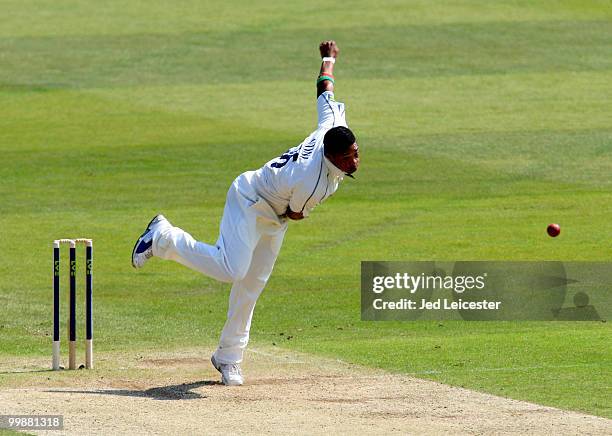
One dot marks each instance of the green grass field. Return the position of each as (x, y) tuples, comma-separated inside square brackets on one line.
[(479, 123)]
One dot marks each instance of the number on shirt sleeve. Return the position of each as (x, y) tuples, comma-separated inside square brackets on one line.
[(290, 155)]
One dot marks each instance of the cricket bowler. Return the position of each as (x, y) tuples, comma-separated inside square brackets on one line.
[(258, 208)]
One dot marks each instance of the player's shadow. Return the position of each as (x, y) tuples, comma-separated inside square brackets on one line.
[(173, 392)]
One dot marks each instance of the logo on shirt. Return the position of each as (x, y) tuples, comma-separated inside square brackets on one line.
[(308, 148)]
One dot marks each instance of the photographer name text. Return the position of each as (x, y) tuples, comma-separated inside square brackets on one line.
[(440, 304)]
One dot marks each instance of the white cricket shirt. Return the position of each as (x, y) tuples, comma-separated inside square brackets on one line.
[(303, 177)]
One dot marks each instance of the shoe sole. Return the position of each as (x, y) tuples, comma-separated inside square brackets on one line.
[(140, 237)]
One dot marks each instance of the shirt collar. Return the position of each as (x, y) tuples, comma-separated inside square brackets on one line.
[(333, 169)]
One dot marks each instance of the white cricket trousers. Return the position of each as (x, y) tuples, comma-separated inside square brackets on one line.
[(250, 238)]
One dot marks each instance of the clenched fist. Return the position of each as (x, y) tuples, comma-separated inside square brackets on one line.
[(329, 49)]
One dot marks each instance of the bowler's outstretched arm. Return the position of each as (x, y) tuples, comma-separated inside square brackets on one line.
[(325, 82)]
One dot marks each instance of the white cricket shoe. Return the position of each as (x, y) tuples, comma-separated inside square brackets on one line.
[(231, 375), (143, 249)]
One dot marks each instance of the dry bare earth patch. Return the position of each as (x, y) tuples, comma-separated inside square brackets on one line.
[(179, 393)]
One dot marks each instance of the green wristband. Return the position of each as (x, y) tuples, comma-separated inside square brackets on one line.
[(322, 78)]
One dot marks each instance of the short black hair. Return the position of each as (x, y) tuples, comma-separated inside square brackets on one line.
[(338, 140)]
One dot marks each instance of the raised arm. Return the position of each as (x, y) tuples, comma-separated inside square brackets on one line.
[(325, 82), (329, 52)]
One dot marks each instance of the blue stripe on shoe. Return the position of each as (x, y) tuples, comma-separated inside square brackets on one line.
[(144, 245)]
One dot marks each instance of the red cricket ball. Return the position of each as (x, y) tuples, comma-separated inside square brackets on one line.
[(553, 230)]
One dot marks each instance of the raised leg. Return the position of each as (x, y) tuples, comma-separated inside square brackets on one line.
[(229, 259)]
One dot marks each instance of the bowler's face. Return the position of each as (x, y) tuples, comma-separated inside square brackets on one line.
[(349, 161)]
